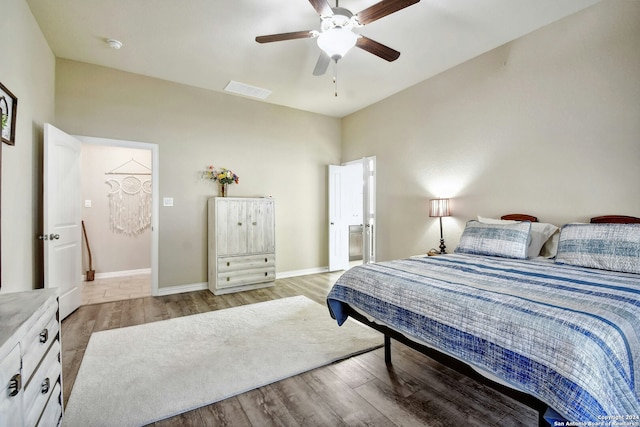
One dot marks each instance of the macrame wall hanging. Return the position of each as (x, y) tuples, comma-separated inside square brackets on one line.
[(129, 199)]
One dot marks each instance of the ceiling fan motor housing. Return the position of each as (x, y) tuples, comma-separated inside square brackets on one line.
[(341, 18)]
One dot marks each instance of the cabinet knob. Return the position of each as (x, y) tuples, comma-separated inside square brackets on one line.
[(254, 223), (239, 223), (44, 387), (15, 384), (44, 335)]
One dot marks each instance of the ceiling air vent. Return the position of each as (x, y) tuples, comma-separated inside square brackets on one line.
[(247, 90)]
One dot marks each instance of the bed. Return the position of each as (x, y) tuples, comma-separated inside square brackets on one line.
[(561, 329)]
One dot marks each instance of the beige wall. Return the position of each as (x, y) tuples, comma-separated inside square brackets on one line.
[(276, 151), (548, 125), (112, 252), (27, 69)]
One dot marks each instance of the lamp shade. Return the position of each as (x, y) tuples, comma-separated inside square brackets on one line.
[(439, 207), (336, 42)]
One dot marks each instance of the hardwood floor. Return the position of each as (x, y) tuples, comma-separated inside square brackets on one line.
[(414, 391)]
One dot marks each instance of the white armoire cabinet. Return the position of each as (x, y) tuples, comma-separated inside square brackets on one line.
[(242, 248)]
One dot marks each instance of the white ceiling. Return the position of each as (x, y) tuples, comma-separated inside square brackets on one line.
[(207, 43)]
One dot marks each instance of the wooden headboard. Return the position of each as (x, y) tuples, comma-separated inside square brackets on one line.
[(618, 219), (519, 217)]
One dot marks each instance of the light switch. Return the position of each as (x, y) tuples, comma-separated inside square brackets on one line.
[(167, 201), (87, 203)]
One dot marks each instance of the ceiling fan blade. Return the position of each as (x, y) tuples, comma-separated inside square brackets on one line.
[(322, 7), (382, 9), (322, 64), (378, 49), (286, 36)]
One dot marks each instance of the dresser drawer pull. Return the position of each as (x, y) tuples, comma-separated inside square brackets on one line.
[(228, 264), (44, 387), (44, 336), (239, 223), (15, 384), (266, 273), (265, 260), (254, 223)]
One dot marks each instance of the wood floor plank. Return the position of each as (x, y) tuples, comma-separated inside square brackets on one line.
[(229, 413), (154, 310), (109, 316), (132, 312), (264, 407), (343, 399), (296, 394)]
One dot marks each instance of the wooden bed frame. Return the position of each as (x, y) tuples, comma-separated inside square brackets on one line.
[(463, 367)]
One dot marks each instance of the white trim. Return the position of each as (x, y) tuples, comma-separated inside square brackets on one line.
[(178, 289), (155, 193), (170, 290), (122, 273), (295, 273)]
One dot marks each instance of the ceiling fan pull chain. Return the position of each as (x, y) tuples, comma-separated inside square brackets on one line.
[(335, 78)]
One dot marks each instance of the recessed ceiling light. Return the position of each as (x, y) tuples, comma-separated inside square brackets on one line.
[(114, 44)]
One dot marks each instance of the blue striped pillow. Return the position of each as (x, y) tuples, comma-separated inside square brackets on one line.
[(614, 247), (503, 240)]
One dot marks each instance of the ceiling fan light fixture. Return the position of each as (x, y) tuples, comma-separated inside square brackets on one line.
[(336, 42)]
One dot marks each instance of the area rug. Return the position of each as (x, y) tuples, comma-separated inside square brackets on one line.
[(140, 374)]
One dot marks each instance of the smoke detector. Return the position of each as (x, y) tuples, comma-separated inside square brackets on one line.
[(114, 44)]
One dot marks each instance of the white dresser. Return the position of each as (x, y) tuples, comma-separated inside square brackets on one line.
[(242, 249), (30, 366)]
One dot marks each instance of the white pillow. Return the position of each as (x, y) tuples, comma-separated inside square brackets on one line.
[(540, 233)]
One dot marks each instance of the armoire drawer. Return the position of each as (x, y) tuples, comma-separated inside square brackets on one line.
[(246, 262), (244, 277)]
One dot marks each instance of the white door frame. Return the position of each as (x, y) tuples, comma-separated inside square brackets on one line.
[(368, 214), (369, 231), (155, 191)]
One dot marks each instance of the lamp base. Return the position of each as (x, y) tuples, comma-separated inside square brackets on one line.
[(443, 248)]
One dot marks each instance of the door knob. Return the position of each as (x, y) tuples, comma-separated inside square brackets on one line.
[(54, 236)]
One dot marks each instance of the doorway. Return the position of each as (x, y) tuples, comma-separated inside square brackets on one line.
[(120, 208), (352, 214)]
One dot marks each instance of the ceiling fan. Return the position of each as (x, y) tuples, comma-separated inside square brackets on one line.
[(336, 37)]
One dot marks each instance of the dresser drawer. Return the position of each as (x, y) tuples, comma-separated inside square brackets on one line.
[(246, 262), (53, 411), (40, 387), (245, 277), (12, 389), (38, 339)]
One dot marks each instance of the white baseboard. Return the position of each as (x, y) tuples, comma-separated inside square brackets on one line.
[(170, 290), (294, 273), (122, 273)]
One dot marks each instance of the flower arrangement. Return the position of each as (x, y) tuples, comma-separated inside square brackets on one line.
[(223, 176)]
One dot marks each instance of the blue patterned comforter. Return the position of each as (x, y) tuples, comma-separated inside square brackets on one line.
[(569, 336)]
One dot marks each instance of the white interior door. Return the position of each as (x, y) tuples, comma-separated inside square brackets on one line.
[(369, 210), (338, 220), (61, 217)]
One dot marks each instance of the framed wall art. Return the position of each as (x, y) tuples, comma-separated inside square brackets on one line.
[(8, 109)]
